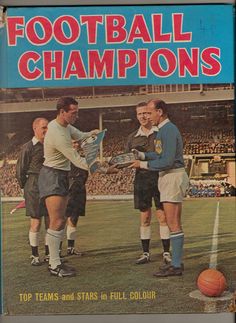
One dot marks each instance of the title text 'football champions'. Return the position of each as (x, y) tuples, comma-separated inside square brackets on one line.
[(98, 62)]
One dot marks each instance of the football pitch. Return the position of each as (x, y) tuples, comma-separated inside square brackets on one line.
[(108, 280)]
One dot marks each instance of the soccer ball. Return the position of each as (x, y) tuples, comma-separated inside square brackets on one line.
[(211, 282)]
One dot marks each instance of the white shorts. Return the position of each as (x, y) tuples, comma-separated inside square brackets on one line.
[(173, 185)]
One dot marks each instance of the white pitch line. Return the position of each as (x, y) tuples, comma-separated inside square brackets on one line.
[(210, 307), (210, 303), (214, 244)]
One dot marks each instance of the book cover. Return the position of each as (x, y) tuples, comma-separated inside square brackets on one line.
[(111, 59)]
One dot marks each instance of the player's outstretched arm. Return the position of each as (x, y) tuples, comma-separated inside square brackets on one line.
[(78, 135)]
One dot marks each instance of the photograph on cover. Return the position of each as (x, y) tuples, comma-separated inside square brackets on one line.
[(97, 237), (112, 277)]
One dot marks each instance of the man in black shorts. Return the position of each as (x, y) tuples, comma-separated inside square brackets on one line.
[(76, 203), (28, 166), (145, 187)]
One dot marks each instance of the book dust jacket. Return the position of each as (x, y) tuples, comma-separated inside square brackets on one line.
[(117, 255)]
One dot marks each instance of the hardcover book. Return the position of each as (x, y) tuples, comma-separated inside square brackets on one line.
[(111, 60)]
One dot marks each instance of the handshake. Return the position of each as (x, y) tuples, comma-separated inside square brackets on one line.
[(139, 155)]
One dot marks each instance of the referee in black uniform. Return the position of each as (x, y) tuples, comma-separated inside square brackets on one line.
[(28, 166), (146, 189)]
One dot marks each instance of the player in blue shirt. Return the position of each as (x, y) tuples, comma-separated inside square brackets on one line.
[(173, 180)]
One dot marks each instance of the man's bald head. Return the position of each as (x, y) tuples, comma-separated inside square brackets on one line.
[(40, 126)]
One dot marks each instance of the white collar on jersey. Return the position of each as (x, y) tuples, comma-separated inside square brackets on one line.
[(140, 132), (163, 123), (34, 141)]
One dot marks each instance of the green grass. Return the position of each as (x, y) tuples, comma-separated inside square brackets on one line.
[(110, 236)]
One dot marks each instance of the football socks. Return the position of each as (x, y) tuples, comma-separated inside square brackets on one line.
[(177, 242), (71, 232), (54, 241), (145, 235), (165, 237)]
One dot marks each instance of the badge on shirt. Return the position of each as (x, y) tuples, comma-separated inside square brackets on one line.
[(158, 147)]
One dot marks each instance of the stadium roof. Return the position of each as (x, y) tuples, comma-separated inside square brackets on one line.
[(118, 100)]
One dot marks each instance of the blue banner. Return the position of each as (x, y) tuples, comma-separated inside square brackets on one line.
[(117, 45)]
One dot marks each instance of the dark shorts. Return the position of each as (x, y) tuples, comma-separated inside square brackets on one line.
[(77, 198), (35, 208), (146, 190), (53, 182)]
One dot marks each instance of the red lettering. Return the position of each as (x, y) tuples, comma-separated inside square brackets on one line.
[(46, 27), (24, 69), (191, 64), (59, 32), (139, 30), (179, 35), (213, 65), (143, 57), (156, 65), (158, 35), (91, 23), (98, 66), (75, 66), (126, 59), (53, 64), (115, 31), (13, 31)]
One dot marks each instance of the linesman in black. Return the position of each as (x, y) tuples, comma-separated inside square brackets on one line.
[(28, 165), (146, 187), (76, 203)]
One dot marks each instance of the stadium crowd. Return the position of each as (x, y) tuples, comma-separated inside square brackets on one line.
[(113, 145), (208, 141), (114, 184), (196, 141), (8, 182), (210, 188)]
